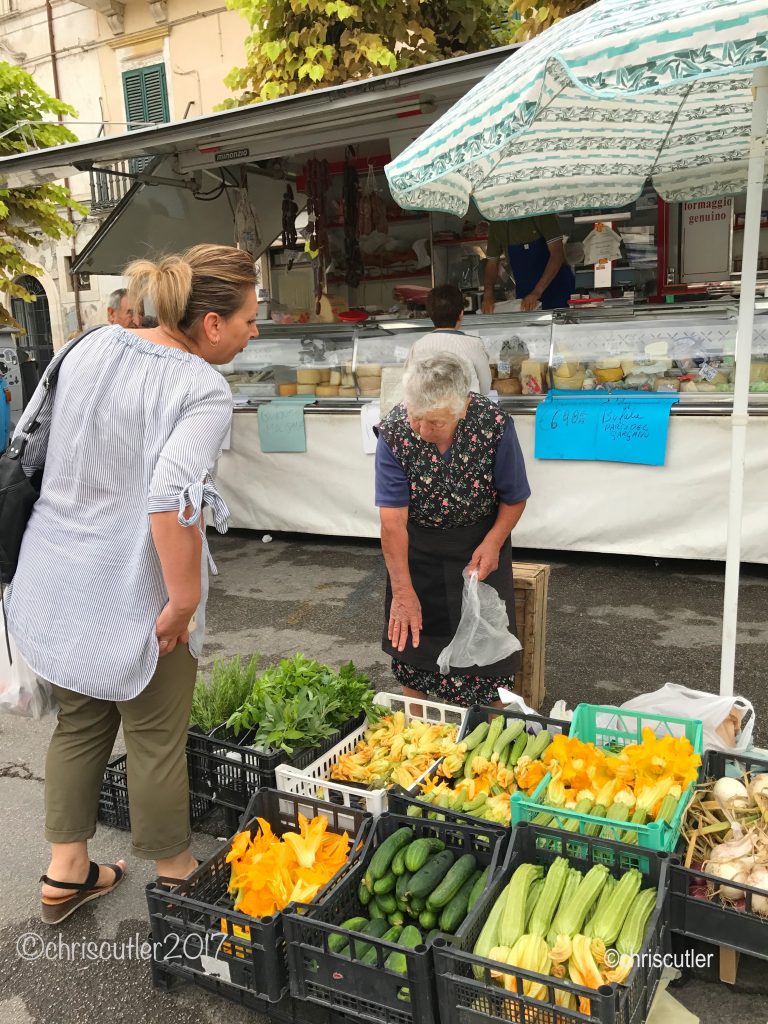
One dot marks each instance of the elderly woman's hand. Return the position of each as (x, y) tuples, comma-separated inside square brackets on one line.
[(404, 614), (485, 558)]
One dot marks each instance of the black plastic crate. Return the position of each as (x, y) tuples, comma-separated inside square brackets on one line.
[(113, 798), (732, 925), (223, 769), (465, 999), (408, 803), (199, 938), (372, 992)]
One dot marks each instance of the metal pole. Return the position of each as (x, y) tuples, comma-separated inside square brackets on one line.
[(740, 416)]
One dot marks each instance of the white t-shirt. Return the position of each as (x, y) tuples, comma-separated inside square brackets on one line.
[(468, 346)]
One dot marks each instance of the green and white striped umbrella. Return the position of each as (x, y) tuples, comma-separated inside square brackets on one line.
[(580, 117)]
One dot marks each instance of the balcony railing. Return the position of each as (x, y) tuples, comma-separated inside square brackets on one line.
[(108, 189)]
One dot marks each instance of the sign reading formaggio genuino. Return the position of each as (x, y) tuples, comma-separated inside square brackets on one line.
[(231, 154)]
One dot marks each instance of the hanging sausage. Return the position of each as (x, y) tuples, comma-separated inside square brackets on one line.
[(290, 213), (318, 182), (353, 258)]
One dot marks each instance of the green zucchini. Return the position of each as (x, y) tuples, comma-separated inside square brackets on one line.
[(384, 854), (517, 748), (427, 919), (507, 737), (457, 875), (385, 884), (454, 912), (410, 937), (430, 876), (397, 866), (489, 936), (392, 934), (476, 737), (477, 889), (336, 942), (417, 853), (387, 902)]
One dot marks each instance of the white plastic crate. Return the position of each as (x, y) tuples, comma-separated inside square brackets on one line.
[(313, 781)]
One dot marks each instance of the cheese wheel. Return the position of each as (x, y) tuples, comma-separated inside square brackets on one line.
[(347, 380), (370, 392), (606, 364), (327, 391), (347, 392), (306, 375), (507, 386), (573, 383), (305, 389), (325, 377), (286, 389), (369, 370), (608, 375), (567, 370), (335, 377)]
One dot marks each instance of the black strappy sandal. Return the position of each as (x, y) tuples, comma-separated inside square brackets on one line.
[(54, 911)]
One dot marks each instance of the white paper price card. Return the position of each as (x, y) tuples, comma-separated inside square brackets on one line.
[(503, 367), (707, 371)]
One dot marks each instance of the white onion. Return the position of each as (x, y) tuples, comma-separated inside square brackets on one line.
[(758, 787), (731, 794), (733, 850), (733, 871), (759, 878)]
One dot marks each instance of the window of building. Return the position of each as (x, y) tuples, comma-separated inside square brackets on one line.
[(7, 7), (146, 102), (35, 318)]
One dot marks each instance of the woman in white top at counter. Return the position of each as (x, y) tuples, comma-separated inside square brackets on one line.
[(445, 305)]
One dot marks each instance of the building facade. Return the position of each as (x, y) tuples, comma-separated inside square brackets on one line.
[(119, 64)]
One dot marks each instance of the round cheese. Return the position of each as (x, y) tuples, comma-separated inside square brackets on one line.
[(369, 370), (507, 386), (305, 389), (327, 391), (335, 377), (607, 375), (286, 389), (345, 392), (309, 375)]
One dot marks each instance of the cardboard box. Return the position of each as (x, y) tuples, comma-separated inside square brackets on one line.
[(531, 587)]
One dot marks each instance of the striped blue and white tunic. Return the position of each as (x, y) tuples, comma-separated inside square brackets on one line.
[(135, 428)]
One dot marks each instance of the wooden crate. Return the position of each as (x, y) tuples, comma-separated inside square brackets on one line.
[(531, 586)]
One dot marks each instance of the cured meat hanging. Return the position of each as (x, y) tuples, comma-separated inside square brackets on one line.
[(318, 182)]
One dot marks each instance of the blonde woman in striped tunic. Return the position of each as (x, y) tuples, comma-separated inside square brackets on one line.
[(113, 569)]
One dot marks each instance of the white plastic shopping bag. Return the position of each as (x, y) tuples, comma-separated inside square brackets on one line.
[(21, 692), (482, 636), (728, 721)]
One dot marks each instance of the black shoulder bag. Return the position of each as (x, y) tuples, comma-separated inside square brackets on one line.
[(19, 492)]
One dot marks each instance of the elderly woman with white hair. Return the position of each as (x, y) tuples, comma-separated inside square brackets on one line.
[(450, 488)]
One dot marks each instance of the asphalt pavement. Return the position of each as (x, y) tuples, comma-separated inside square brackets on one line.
[(615, 627)]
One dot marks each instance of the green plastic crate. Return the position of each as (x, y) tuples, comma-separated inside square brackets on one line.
[(618, 728)]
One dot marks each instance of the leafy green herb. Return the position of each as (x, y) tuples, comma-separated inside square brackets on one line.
[(300, 702), (230, 684)]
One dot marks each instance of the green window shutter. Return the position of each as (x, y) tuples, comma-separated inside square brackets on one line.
[(146, 96)]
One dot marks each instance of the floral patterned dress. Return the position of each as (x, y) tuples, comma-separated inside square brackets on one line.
[(452, 506)]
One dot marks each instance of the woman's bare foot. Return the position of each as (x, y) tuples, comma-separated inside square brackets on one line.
[(180, 866)]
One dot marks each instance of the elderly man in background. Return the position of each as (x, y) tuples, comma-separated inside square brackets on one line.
[(119, 309)]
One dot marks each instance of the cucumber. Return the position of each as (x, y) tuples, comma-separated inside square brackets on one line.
[(387, 902), (398, 918), (441, 895), (430, 876), (417, 853), (454, 912), (374, 911), (377, 929), (433, 934), (401, 888), (338, 942), (397, 866), (385, 884), (427, 919), (410, 937), (477, 889), (383, 856), (416, 905), (392, 934), (364, 894)]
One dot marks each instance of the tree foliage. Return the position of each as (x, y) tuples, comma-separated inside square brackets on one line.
[(28, 215), (531, 19), (298, 45)]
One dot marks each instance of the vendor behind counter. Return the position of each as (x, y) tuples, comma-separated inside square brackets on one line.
[(445, 306), (535, 251)]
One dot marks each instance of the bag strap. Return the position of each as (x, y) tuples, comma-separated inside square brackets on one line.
[(19, 443)]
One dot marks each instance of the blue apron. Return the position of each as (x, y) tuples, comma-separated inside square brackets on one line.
[(527, 263)]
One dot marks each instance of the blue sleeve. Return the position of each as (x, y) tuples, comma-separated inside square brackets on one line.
[(392, 487), (509, 474)]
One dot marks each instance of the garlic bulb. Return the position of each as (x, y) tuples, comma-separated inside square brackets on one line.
[(731, 794), (733, 871), (759, 878)]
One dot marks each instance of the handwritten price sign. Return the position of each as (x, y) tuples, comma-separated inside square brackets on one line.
[(626, 427)]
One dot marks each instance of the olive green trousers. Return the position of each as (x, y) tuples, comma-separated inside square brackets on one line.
[(155, 732)]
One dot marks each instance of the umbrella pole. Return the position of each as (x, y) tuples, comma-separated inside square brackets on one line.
[(740, 416)]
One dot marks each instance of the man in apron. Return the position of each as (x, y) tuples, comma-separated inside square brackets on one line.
[(536, 255)]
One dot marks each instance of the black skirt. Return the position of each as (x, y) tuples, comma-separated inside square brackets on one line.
[(437, 559)]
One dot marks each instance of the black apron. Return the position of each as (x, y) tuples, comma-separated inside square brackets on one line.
[(437, 558)]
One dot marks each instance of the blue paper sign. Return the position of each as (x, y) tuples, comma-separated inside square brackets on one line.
[(281, 424), (616, 426)]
